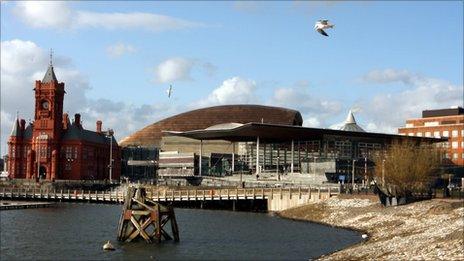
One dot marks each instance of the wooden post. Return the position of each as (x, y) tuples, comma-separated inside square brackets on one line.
[(319, 192), (139, 213)]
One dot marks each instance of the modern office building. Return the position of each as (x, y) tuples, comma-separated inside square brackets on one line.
[(444, 123)]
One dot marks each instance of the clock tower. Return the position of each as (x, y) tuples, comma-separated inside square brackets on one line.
[(48, 123)]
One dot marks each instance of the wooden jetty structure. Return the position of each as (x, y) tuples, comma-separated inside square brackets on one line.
[(144, 218), (7, 205)]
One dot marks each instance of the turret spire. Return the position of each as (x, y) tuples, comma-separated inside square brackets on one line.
[(15, 132), (50, 74), (51, 57)]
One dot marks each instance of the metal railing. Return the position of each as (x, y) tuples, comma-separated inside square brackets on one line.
[(117, 196)]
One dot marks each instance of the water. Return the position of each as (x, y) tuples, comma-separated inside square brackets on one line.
[(78, 231)]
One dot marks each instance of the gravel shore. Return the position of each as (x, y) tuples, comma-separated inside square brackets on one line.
[(426, 230)]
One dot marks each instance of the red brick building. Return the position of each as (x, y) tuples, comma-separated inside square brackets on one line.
[(54, 148), (448, 123)]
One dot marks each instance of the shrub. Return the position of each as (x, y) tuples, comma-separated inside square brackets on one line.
[(406, 168)]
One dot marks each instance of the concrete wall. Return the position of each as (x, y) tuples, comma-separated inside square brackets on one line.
[(286, 201), (318, 168), (186, 145)]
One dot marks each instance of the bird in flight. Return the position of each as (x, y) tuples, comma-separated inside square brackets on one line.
[(321, 25), (169, 91)]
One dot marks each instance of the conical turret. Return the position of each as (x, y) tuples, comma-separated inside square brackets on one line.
[(350, 124), (16, 131)]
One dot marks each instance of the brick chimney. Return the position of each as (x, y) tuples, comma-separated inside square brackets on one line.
[(65, 121), (77, 119), (99, 126)]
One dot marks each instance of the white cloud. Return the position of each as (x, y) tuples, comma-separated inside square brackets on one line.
[(390, 75), (312, 122), (44, 14), (388, 111), (235, 90), (58, 14), (311, 107), (247, 6), (174, 69), (180, 69), (119, 49), (23, 62)]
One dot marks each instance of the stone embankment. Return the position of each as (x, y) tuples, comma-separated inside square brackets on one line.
[(426, 230)]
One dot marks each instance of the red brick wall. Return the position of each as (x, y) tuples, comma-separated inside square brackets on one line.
[(445, 124)]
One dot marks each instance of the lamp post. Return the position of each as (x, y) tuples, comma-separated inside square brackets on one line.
[(314, 169), (383, 172), (352, 175), (109, 134)]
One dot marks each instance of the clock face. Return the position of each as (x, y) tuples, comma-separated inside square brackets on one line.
[(45, 105)]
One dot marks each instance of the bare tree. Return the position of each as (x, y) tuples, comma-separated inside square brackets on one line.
[(406, 168)]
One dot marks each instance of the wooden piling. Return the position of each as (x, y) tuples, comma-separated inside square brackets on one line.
[(141, 213)]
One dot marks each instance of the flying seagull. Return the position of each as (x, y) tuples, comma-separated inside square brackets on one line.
[(322, 24), (169, 91)]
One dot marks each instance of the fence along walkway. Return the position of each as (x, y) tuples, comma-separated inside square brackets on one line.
[(167, 195)]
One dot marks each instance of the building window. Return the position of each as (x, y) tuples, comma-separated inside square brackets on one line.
[(454, 133), (462, 133), (455, 156), (431, 123), (409, 125), (445, 133), (411, 134), (454, 144), (428, 134), (68, 152), (75, 152), (43, 151), (462, 144), (462, 156), (436, 134), (447, 155), (419, 134)]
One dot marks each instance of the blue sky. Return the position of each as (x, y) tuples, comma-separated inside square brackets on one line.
[(386, 60)]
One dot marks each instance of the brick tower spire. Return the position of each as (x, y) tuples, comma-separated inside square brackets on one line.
[(48, 124)]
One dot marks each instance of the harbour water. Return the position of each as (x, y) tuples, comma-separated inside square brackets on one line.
[(78, 231)]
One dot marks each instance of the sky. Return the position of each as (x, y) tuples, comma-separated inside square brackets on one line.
[(386, 61)]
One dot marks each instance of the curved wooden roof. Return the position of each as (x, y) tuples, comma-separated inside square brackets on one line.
[(206, 117)]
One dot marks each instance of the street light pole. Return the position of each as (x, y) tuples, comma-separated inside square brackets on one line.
[(110, 166), (352, 175), (383, 172)]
